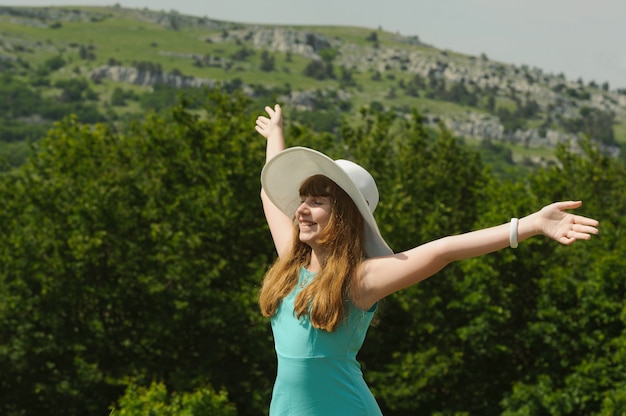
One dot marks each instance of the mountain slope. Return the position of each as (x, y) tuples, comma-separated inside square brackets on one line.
[(122, 56)]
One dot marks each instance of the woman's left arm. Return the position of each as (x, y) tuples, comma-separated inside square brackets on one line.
[(381, 276)]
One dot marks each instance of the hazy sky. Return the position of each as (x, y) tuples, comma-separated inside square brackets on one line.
[(582, 39)]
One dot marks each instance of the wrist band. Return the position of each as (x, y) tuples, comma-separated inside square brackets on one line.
[(513, 234)]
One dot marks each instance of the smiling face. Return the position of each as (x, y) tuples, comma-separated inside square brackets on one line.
[(313, 215), (327, 217), (315, 211)]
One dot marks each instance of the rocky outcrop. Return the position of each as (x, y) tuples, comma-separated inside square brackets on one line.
[(42, 16), (505, 80), (398, 57), (556, 96), (134, 76), (307, 44), (469, 125)]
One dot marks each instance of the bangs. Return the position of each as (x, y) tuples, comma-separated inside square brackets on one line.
[(318, 185)]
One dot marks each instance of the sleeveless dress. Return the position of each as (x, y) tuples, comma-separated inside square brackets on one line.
[(318, 373)]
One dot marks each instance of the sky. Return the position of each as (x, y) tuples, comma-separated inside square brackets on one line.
[(583, 39)]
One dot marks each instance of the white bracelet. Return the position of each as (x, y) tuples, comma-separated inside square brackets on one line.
[(513, 234)]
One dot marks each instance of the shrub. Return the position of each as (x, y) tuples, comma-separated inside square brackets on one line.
[(155, 400)]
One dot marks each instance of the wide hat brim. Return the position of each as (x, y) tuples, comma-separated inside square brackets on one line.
[(283, 175)]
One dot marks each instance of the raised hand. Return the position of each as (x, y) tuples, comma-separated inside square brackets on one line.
[(272, 125), (272, 129), (566, 228)]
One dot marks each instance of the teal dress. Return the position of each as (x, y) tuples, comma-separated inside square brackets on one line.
[(318, 373)]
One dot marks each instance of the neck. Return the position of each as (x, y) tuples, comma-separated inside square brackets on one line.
[(317, 259)]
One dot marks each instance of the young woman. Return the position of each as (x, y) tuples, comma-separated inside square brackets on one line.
[(334, 266)]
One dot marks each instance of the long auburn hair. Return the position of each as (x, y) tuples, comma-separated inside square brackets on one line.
[(324, 299)]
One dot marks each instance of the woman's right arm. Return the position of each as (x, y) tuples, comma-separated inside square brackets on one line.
[(281, 226)]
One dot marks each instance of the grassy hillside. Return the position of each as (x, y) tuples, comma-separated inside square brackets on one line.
[(48, 56)]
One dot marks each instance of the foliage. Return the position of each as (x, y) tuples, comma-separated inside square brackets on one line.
[(164, 97), (26, 115), (372, 37), (346, 79), (118, 97), (499, 158), (319, 70), (529, 332), (155, 400), (471, 95), (134, 254), (52, 64), (329, 117), (131, 259), (147, 66), (328, 54), (242, 54), (594, 123), (267, 62), (74, 90)]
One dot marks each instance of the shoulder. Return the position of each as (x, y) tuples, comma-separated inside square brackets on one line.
[(379, 277)]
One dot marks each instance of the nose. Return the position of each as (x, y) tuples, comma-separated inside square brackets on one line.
[(303, 207)]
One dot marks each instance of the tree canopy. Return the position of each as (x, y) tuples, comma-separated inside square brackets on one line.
[(132, 258)]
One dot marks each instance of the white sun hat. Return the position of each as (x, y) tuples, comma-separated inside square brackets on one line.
[(283, 175)]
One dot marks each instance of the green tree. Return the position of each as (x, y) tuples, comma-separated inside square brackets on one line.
[(52, 64), (593, 122), (72, 90), (86, 52), (135, 254), (431, 186), (319, 70), (328, 55), (347, 79), (118, 97), (267, 62), (155, 400), (544, 319), (414, 86), (242, 54), (574, 343)]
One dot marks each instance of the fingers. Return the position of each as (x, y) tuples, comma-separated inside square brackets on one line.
[(571, 237), (563, 205), (578, 219), (587, 229), (261, 127), (262, 121), (578, 232), (577, 226), (274, 113), (577, 235), (583, 228)]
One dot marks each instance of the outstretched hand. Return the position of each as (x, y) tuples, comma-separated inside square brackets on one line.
[(272, 125), (565, 227)]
